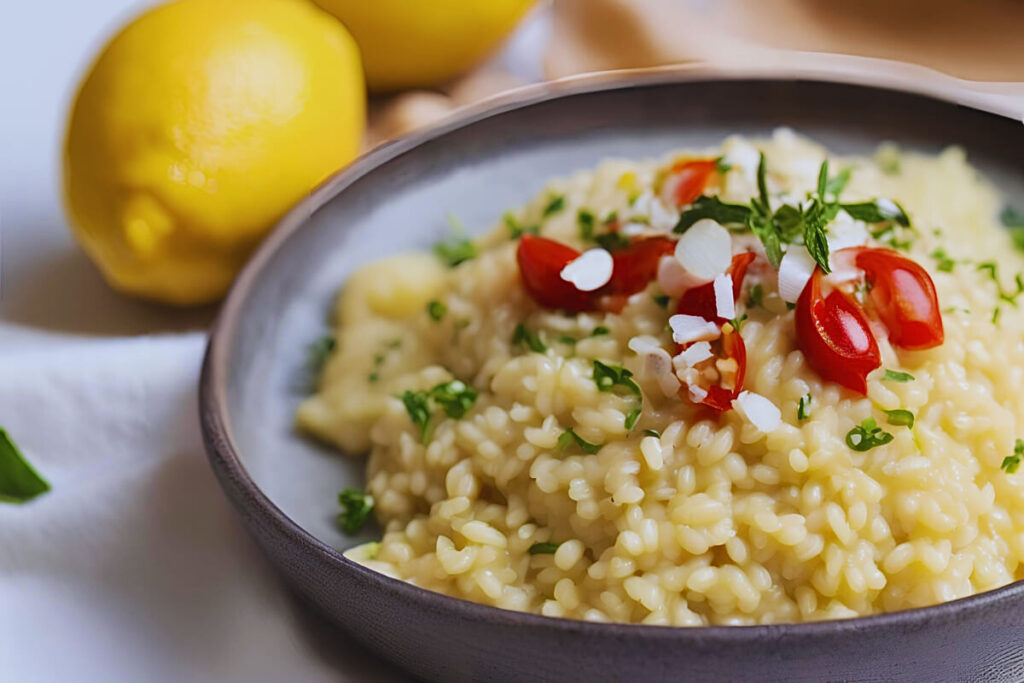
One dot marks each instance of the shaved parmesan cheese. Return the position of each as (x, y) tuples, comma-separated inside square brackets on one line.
[(590, 270), (725, 306), (846, 232), (657, 364), (643, 344), (661, 217), (691, 328), (697, 353), (795, 270), (887, 207), (758, 411), (705, 250), (743, 157), (697, 394), (633, 229), (673, 278)]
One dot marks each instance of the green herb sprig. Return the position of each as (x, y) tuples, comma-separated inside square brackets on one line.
[(19, 481), (545, 548), (1011, 463), (356, 507), (867, 435)]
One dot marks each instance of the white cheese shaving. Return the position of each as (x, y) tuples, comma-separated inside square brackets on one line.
[(725, 306), (661, 217), (846, 232), (697, 353), (744, 157), (590, 270), (705, 250), (697, 394), (795, 270), (758, 410), (633, 229), (691, 328), (887, 207), (673, 278)]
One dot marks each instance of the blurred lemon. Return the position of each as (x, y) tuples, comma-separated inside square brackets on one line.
[(196, 128), (420, 43)]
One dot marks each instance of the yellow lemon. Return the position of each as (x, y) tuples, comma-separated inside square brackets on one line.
[(420, 43), (197, 127)]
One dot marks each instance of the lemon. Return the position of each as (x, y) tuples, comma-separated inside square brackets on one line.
[(420, 43), (196, 128)]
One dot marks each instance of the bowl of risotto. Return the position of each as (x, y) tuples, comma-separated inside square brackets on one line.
[(683, 375)]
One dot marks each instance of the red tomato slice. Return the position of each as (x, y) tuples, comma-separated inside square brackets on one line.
[(700, 300), (904, 296), (689, 179), (636, 265), (835, 337), (540, 265), (730, 345)]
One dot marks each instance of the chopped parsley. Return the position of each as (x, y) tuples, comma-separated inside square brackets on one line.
[(900, 417), (1009, 297), (455, 251), (454, 397), (612, 241), (942, 260), (803, 409), (737, 323), (662, 300), (566, 339), (555, 205), (517, 229), (585, 220), (721, 166), (569, 437), (652, 432), (995, 315), (546, 548), (1011, 463), (867, 435), (417, 405), (894, 376), (356, 507), (436, 310), (599, 331), (632, 417), (529, 339), (755, 297), (19, 481), (607, 377), (319, 351)]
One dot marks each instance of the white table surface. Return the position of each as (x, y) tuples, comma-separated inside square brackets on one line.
[(117, 607)]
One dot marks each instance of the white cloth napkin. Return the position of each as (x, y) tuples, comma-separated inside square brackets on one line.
[(133, 567)]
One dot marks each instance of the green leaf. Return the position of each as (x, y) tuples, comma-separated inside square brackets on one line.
[(900, 418), (417, 405), (612, 241), (19, 481), (803, 409), (556, 204), (836, 186), (1011, 217), (816, 240), (867, 435), (436, 310), (607, 377), (652, 432), (755, 297), (455, 397), (874, 212), (894, 376), (714, 208), (569, 437), (319, 351), (762, 183), (585, 220), (633, 416), (766, 231), (599, 331), (1011, 464), (529, 339), (455, 251), (546, 548), (356, 507), (721, 166), (517, 229)]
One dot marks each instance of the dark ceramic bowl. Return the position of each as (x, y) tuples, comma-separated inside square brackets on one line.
[(395, 199)]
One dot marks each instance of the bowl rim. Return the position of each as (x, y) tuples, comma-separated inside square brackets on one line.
[(239, 486)]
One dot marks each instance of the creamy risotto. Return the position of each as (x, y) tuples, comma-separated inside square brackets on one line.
[(727, 386)]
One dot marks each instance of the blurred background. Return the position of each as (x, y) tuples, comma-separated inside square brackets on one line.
[(148, 148)]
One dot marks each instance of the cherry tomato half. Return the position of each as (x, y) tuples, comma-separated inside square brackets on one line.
[(729, 346), (540, 265), (835, 336), (541, 262), (688, 179), (903, 295), (700, 300)]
